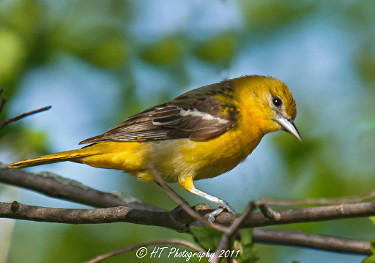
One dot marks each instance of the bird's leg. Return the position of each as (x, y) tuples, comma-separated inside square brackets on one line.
[(213, 199), (187, 184)]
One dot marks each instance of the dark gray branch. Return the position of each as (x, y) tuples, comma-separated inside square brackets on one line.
[(126, 214), (296, 238), (17, 210), (313, 214)]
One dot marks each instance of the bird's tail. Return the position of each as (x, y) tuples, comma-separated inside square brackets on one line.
[(73, 155)]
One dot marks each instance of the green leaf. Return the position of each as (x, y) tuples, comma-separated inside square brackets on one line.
[(371, 258), (373, 246), (206, 237), (246, 235), (248, 253)]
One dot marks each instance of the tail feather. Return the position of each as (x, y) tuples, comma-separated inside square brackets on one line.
[(73, 155)]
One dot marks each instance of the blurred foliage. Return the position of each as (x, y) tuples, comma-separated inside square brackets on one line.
[(248, 253), (206, 237), (242, 249), (366, 63), (105, 36), (371, 258), (272, 15), (218, 50), (27, 139), (165, 52), (12, 53)]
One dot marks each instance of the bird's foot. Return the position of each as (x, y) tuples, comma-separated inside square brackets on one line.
[(223, 206)]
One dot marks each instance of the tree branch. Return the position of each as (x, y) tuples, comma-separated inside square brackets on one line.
[(126, 214), (313, 214), (17, 210), (56, 186), (297, 238)]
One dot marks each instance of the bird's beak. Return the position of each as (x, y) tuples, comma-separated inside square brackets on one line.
[(289, 126)]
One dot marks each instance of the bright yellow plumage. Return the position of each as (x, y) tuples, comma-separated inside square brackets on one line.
[(200, 134)]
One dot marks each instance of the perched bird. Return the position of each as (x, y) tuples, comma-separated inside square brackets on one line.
[(200, 134)]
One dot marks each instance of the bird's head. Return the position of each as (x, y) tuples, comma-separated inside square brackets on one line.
[(273, 103)]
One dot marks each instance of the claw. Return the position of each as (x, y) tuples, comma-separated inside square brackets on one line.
[(212, 216), (222, 207)]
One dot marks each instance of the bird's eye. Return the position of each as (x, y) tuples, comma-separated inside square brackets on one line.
[(277, 101)]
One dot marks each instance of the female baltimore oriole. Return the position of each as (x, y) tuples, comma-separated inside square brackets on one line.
[(200, 134)]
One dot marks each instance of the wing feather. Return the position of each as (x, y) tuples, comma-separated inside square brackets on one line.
[(197, 115)]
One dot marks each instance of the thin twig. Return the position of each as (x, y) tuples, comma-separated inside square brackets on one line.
[(3, 100), (320, 201), (7, 121), (300, 239), (267, 211), (145, 244), (182, 203)]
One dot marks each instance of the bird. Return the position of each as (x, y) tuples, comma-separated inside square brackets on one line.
[(200, 134)]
